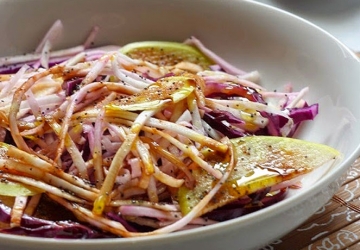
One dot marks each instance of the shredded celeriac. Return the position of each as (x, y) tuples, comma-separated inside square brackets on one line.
[(101, 132)]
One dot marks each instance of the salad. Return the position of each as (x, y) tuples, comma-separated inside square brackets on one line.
[(135, 140)]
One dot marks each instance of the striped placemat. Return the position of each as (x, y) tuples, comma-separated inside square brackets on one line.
[(336, 226)]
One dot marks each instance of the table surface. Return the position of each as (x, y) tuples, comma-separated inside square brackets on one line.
[(341, 18), (336, 226)]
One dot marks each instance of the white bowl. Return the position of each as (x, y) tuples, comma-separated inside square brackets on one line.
[(281, 46)]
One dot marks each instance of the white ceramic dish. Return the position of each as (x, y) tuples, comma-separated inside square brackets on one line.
[(340, 18), (279, 45)]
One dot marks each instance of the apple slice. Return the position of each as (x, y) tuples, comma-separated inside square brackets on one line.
[(261, 162), (165, 53)]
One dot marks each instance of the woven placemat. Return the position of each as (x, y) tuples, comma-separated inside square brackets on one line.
[(335, 226)]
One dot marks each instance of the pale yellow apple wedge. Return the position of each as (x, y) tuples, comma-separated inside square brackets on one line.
[(261, 162)]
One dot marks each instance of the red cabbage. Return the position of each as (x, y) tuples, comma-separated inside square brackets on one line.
[(216, 120), (243, 206), (306, 113), (71, 86), (31, 226), (227, 91)]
